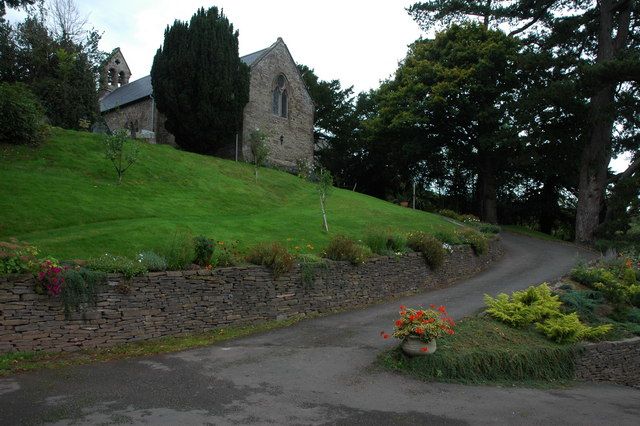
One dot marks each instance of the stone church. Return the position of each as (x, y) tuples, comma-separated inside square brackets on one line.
[(279, 104)]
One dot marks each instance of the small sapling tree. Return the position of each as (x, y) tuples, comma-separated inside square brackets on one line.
[(259, 149), (324, 184), (121, 151)]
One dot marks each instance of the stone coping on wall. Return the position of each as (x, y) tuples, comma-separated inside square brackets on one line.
[(175, 303), (613, 362)]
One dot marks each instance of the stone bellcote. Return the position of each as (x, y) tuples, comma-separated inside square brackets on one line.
[(115, 73)]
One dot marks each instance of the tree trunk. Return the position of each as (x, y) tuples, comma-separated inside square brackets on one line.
[(487, 190), (324, 215), (549, 206), (596, 155)]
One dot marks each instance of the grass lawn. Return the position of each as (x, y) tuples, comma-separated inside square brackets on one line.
[(484, 351), (63, 197)]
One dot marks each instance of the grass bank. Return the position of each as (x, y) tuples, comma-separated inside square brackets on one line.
[(63, 197)]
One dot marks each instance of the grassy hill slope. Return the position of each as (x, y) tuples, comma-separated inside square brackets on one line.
[(63, 197)]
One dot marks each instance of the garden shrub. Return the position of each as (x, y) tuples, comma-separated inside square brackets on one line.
[(203, 248), (450, 214), (475, 239), (629, 276), (488, 228), (448, 237), (589, 276), (309, 265), (343, 248), (272, 255), (471, 219), (430, 247), (17, 257), (524, 307), (152, 261), (225, 255), (385, 242), (583, 302), (567, 328), (179, 253), (21, 116), (117, 265), (80, 288), (633, 315), (617, 283)]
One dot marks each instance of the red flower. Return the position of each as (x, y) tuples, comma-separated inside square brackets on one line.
[(425, 349), (419, 330), (385, 336), (442, 309), (432, 306), (399, 323), (402, 307), (412, 317)]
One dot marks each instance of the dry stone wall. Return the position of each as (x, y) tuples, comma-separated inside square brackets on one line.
[(614, 362), (177, 302)]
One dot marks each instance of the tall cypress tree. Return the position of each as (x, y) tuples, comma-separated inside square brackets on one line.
[(199, 82)]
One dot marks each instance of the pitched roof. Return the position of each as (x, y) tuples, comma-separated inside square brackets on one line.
[(142, 89), (123, 95)]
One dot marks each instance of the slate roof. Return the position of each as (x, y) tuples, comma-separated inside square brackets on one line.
[(126, 94), (142, 89)]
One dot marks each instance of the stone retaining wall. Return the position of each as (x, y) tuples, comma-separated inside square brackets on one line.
[(614, 362), (177, 302)]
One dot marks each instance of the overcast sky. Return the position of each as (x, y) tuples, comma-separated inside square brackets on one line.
[(358, 42)]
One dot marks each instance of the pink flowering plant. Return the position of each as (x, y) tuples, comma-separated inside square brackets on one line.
[(424, 324), (50, 278)]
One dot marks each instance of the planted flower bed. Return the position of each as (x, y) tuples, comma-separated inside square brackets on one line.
[(540, 337)]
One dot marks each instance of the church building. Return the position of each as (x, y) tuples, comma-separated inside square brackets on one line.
[(279, 105)]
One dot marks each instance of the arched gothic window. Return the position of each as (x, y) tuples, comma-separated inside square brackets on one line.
[(280, 105), (121, 78)]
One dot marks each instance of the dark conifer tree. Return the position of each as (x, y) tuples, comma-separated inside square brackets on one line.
[(199, 82)]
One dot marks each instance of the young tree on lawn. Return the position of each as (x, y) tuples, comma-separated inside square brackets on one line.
[(121, 151), (259, 149), (324, 184)]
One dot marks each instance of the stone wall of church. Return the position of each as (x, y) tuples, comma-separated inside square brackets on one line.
[(140, 112), (289, 138)]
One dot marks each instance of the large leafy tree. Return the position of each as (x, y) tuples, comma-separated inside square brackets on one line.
[(13, 4), (449, 105), (601, 39), (61, 70), (199, 82), (336, 128)]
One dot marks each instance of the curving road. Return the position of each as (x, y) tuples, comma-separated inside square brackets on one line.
[(318, 372)]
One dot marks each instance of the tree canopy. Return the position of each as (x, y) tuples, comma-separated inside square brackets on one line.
[(199, 82), (590, 47), (61, 70)]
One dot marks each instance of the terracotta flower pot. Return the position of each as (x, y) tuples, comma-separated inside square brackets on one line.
[(413, 346)]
